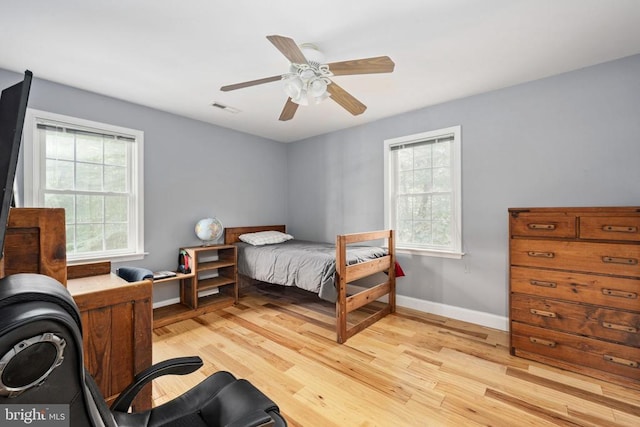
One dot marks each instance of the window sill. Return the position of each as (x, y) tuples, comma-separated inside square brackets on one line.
[(112, 258), (430, 252)]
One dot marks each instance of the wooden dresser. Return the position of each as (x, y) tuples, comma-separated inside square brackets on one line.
[(574, 289)]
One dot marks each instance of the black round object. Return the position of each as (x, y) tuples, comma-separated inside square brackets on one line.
[(30, 365)]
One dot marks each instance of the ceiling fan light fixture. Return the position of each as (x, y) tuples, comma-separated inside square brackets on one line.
[(317, 87), (302, 99), (307, 83), (320, 98), (307, 74), (293, 86)]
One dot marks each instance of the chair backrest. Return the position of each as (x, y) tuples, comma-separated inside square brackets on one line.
[(41, 357)]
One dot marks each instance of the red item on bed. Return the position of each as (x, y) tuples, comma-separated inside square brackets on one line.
[(399, 272)]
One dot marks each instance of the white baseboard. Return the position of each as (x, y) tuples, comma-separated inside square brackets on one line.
[(458, 313), (478, 317), (166, 302)]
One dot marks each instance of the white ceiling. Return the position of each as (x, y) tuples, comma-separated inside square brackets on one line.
[(174, 55)]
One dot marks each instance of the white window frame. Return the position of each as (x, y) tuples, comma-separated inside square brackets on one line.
[(455, 250), (33, 164)]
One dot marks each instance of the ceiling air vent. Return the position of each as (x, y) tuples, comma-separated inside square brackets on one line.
[(225, 108)]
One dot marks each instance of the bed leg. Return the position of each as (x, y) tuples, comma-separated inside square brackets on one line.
[(341, 302), (391, 242)]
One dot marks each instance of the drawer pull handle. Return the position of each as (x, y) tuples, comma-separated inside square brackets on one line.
[(620, 361), (623, 328), (542, 313), (620, 229), (541, 254), (542, 283), (620, 294), (542, 226), (617, 260), (540, 341)]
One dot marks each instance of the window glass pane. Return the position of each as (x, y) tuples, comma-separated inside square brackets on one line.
[(405, 159), (66, 201), (89, 237), (89, 148), (90, 209), (115, 179), (441, 179), (59, 145), (422, 156), (59, 175), (422, 232), (422, 208), (405, 230), (116, 209), (116, 236), (441, 154), (404, 207), (423, 180), (71, 238), (405, 184), (89, 177), (115, 152), (441, 233)]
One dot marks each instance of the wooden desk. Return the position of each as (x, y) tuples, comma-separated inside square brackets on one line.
[(116, 322)]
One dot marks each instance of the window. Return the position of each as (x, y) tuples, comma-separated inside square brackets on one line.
[(93, 171), (423, 192)]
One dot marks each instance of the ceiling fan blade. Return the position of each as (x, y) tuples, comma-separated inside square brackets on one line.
[(289, 48), (288, 111), (250, 83), (346, 100), (378, 64)]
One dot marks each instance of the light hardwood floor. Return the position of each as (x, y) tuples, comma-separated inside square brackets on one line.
[(409, 369)]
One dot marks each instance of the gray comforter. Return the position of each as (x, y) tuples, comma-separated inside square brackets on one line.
[(307, 265)]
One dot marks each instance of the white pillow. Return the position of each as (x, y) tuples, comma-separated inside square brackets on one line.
[(265, 237)]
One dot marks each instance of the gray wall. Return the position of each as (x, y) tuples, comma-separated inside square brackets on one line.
[(568, 140), (191, 170)]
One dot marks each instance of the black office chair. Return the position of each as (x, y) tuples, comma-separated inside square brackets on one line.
[(41, 363)]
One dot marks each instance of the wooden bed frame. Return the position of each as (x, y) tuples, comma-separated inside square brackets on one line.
[(346, 274)]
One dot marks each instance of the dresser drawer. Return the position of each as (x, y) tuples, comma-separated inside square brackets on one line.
[(581, 351), (605, 258), (599, 322), (543, 225), (607, 291), (610, 228)]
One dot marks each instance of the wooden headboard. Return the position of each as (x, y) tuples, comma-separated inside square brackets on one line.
[(231, 234)]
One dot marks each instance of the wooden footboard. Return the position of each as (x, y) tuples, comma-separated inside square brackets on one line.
[(346, 274)]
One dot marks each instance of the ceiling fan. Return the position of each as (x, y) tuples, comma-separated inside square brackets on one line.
[(308, 79)]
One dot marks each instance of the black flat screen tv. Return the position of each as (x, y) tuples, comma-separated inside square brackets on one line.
[(13, 107)]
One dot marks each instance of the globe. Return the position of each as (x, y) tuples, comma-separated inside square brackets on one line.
[(209, 230)]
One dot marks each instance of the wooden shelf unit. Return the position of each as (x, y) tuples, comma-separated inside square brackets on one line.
[(213, 268)]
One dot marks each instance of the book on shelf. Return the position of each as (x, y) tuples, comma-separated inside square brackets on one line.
[(163, 274)]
